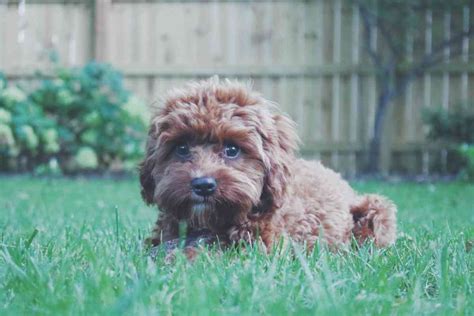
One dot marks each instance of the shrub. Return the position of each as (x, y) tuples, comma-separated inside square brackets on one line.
[(20, 120), (455, 126), (78, 117), (467, 152)]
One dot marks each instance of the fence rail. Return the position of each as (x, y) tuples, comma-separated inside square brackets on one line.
[(307, 55)]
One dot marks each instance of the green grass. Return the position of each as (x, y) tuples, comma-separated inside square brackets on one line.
[(74, 247)]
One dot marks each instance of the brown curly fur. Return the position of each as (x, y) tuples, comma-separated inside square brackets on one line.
[(266, 191)]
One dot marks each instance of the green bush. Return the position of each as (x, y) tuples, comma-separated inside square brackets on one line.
[(467, 152), (454, 126), (77, 119)]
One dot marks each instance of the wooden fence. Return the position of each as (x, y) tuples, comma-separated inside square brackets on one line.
[(306, 55)]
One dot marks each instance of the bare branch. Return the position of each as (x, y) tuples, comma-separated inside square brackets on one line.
[(370, 27), (454, 39), (436, 56), (374, 21), (388, 37), (419, 69)]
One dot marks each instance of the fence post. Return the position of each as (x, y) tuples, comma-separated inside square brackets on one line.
[(98, 31), (386, 143)]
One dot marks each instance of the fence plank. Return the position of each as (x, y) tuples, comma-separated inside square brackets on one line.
[(447, 53), (3, 34), (300, 31), (465, 55), (372, 87), (409, 107), (100, 29), (354, 95), (316, 18), (445, 100), (267, 47), (336, 81), (427, 83)]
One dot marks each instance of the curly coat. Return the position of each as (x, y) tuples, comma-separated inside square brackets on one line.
[(266, 192)]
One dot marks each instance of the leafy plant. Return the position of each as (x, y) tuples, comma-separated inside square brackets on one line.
[(467, 152), (80, 117), (454, 126), (20, 121)]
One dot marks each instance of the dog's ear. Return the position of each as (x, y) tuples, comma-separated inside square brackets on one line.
[(146, 168), (279, 151)]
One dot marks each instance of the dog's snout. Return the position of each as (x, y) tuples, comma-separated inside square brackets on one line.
[(204, 186)]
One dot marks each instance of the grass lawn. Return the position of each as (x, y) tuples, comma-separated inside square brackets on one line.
[(74, 247)]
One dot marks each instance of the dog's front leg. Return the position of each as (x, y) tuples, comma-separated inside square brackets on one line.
[(166, 229)]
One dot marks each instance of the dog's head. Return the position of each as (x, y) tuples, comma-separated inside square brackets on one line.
[(216, 153)]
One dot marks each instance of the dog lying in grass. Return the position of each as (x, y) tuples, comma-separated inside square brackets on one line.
[(222, 159)]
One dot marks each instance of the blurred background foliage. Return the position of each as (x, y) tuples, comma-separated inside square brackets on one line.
[(454, 126), (74, 120)]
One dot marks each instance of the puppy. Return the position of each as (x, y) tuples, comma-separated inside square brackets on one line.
[(220, 158)]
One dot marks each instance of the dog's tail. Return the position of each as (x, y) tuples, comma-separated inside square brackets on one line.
[(374, 218)]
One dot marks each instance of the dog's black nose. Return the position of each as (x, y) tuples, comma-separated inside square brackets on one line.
[(204, 186)]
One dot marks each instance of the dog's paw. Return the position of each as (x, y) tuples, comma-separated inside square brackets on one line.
[(189, 252), (191, 246), (241, 232), (172, 248)]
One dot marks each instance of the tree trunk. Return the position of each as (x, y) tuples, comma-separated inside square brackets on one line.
[(383, 103)]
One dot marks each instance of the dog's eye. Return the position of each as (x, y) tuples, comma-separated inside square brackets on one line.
[(182, 150), (231, 151)]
